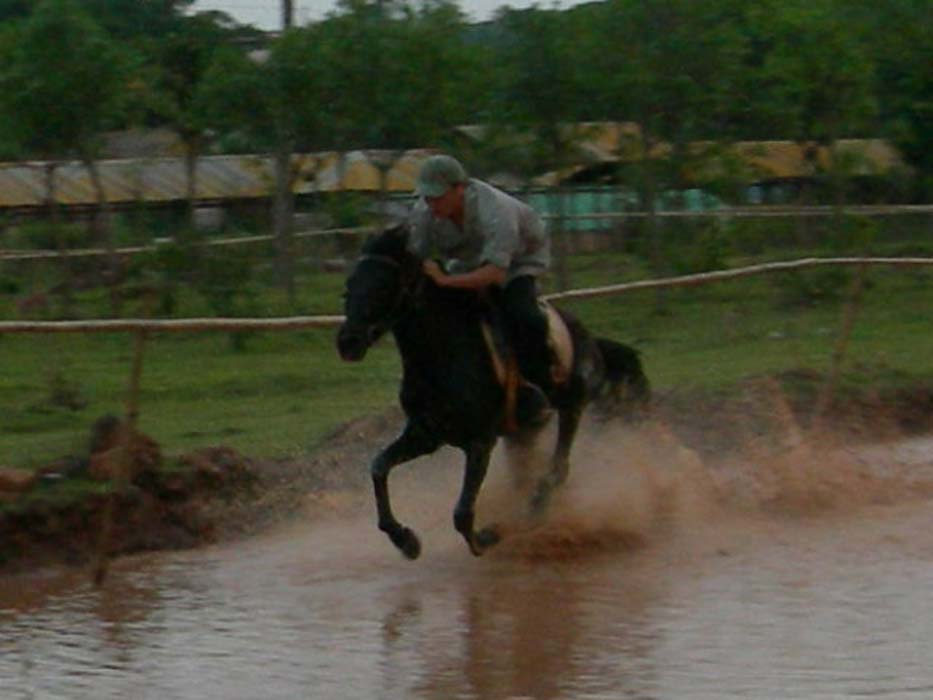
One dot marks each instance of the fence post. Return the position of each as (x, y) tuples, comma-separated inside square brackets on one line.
[(853, 305), (124, 459)]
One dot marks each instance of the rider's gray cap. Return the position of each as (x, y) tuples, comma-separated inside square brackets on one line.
[(438, 174)]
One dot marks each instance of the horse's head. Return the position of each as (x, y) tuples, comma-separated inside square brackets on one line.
[(376, 291)]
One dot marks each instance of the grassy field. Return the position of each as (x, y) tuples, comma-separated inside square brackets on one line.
[(278, 394)]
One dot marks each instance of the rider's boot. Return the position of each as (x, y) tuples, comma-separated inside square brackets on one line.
[(532, 405)]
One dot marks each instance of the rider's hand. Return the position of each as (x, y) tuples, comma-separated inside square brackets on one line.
[(433, 270)]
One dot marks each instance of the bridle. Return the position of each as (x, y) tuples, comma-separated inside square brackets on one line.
[(406, 290)]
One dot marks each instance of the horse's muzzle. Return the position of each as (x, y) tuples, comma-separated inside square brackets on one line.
[(352, 344)]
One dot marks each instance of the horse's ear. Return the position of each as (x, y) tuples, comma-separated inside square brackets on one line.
[(391, 241)]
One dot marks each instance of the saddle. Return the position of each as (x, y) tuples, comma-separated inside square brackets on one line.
[(560, 346)]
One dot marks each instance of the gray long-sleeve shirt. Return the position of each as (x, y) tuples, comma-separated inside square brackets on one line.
[(497, 229)]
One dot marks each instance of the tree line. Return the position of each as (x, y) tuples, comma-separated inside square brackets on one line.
[(394, 74), (391, 74)]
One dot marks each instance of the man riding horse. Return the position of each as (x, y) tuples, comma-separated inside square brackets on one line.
[(452, 390), (493, 243)]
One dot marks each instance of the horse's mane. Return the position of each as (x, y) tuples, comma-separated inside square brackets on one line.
[(392, 243)]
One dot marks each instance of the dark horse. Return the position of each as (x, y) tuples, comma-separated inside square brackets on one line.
[(450, 391)]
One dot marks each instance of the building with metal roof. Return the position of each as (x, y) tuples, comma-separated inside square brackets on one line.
[(162, 180), (598, 148)]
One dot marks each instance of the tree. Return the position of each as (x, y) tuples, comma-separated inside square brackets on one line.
[(817, 77), (538, 96), (394, 75), (539, 89), (673, 69), (817, 85), (297, 110), (62, 83), (177, 66), (14, 9), (231, 96), (63, 80), (278, 104), (903, 76), (138, 19)]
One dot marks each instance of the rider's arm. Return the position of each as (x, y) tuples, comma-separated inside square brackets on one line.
[(484, 276)]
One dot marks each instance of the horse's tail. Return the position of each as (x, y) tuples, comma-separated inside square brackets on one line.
[(628, 387)]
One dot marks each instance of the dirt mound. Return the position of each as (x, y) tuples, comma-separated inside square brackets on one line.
[(153, 505), (204, 496)]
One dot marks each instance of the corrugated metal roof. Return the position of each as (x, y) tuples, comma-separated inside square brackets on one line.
[(163, 179), (22, 184), (218, 177)]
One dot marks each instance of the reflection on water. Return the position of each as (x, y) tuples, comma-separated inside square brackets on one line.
[(735, 607), (809, 614)]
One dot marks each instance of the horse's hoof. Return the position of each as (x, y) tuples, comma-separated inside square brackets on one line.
[(408, 543), (487, 537), (479, 542)]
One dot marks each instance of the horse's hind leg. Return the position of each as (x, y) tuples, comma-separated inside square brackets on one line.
[(477, 462), (568, 423), (410, 444)]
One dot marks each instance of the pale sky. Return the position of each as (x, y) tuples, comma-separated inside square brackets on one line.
[(267, 14)]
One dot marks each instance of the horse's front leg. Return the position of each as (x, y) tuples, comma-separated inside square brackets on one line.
[(477, 462), (413, 442)]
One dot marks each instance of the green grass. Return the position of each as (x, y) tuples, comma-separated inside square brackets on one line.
[(719, 333), (277, 397), (284, 391)]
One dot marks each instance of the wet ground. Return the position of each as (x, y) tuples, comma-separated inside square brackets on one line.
[(790, 572)]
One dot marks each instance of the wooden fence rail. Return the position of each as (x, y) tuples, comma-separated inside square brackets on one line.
[(187, 325), (721, 275), (192, 325)]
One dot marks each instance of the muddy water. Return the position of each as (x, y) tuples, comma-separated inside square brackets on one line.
[(802, 574)]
